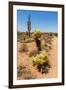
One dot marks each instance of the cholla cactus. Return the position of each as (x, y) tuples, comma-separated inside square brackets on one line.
[(37, 35), (40, 61), (40, 58)]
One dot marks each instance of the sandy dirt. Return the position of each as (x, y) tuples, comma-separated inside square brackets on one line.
[(24, 59)]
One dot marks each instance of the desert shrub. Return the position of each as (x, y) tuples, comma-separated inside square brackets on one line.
[(24, 73), (33, 52), (29, 40), (20, 70), (23, 48), (55, 34), (28, 75), (20, 35)]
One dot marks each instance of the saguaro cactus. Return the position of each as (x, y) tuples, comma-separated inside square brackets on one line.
[(29, 25)]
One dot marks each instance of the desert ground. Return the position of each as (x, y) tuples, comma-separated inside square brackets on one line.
[(25, 68)]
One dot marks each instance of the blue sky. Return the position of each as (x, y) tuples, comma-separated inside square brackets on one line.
[(46, 21)]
